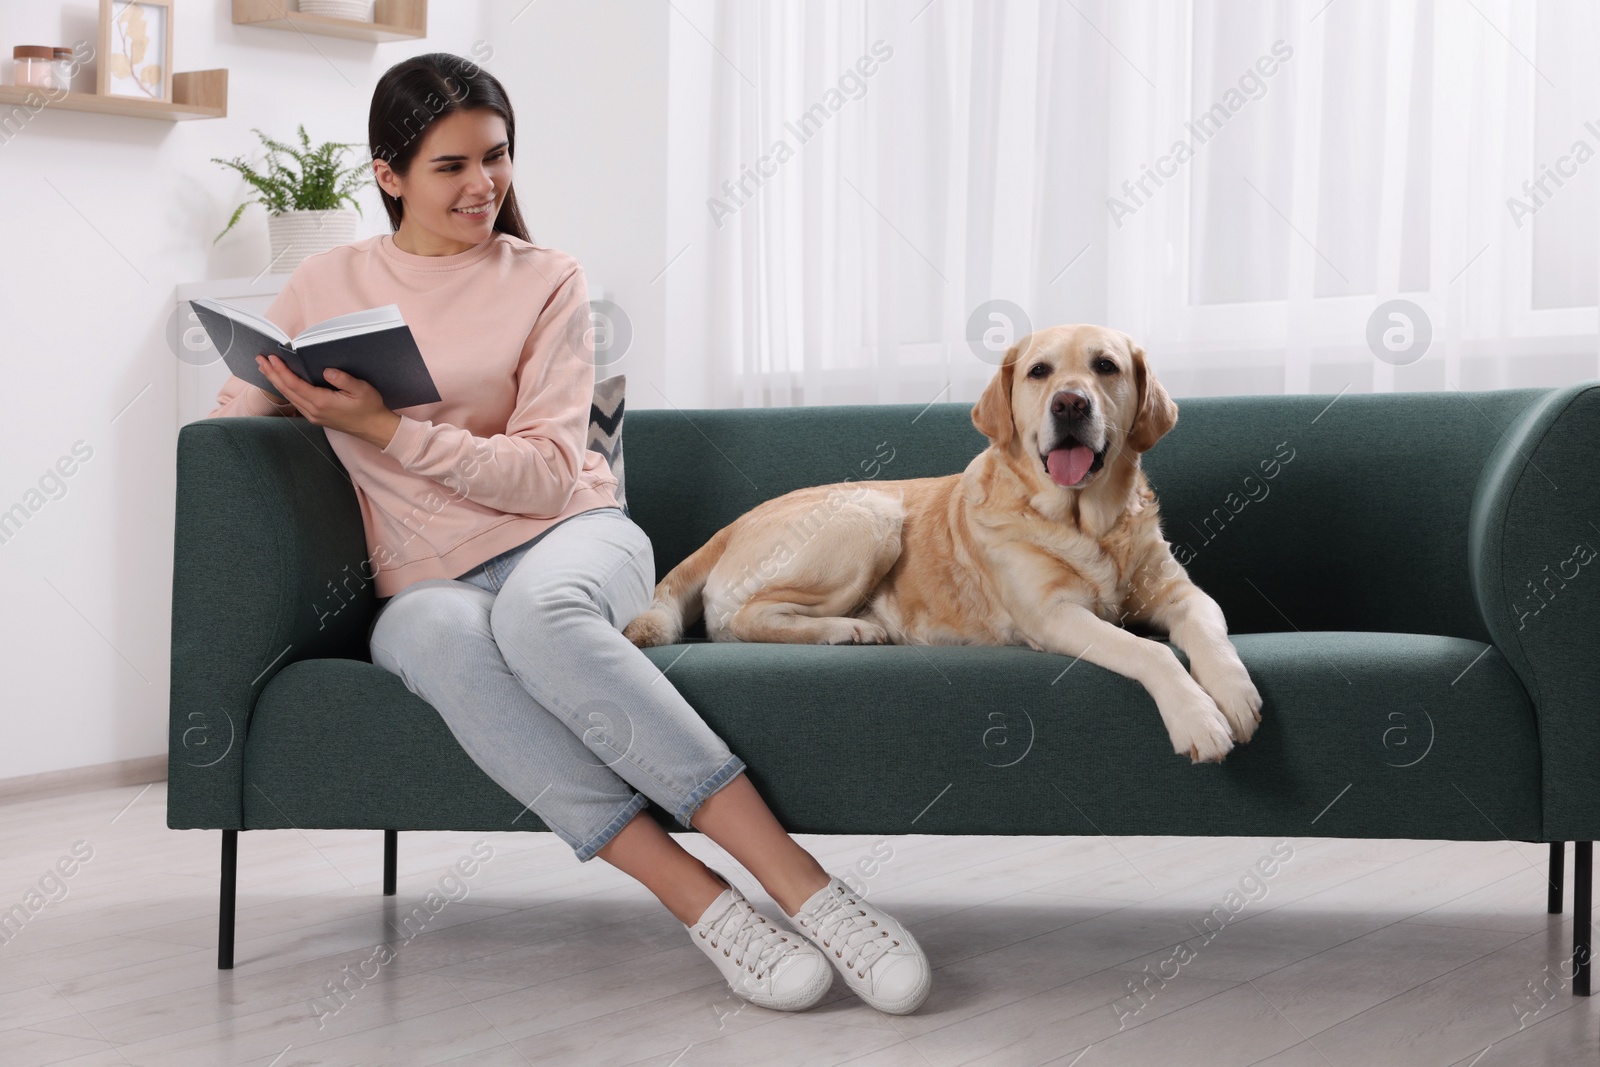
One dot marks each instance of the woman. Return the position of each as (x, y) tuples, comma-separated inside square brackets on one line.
[(510, 569)]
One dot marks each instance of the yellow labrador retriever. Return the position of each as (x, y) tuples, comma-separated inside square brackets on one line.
[(1050, 538)]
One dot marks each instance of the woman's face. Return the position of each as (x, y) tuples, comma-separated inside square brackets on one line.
[(462, 162)]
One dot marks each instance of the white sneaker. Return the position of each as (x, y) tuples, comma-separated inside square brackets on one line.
[(768, 966), (879, 959)]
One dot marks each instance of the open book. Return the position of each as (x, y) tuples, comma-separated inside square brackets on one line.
[(374, 345)]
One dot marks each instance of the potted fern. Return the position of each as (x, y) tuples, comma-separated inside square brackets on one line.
[(304, 212)]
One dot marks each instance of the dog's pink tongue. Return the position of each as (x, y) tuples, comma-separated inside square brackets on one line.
[(1067, 466)]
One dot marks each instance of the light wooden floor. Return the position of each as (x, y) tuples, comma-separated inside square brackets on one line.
[(1360, 953)]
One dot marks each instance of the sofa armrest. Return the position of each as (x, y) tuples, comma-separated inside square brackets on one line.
[(1532, 544), (269, 567)]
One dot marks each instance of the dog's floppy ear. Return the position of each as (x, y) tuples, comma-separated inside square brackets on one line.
[(992, 414), (1156, 413)]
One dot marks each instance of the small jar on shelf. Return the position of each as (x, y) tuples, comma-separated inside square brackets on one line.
[(32, 64)]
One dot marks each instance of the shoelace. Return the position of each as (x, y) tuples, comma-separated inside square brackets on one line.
[(832, 915), (742, 927)]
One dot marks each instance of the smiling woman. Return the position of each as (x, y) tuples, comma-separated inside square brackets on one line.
[(505, 603), (445, 169)]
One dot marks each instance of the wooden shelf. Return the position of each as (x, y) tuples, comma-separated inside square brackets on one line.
[(196, 94), (393, 20)]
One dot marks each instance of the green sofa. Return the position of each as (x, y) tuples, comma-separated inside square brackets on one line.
[(1408, 577)]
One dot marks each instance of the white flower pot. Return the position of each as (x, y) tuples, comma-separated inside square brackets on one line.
[(360, 10), (298, 234)]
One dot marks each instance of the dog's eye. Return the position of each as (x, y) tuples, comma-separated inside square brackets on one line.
[(1105, 366), (1038, 370)]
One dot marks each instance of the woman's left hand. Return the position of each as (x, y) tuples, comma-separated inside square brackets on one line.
[(353, 406)]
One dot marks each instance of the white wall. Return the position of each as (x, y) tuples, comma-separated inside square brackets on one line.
[(103, 217)]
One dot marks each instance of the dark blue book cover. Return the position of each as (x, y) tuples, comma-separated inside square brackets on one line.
[(374, 345)]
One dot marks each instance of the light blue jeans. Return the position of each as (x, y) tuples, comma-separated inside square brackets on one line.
[(524, 658)]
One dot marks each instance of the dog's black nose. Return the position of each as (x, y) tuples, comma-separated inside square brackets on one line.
[(1070, 402)]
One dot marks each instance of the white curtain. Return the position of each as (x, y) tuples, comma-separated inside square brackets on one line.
[(868, 200)]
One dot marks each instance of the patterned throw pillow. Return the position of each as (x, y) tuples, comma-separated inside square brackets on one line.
[(605, 427)]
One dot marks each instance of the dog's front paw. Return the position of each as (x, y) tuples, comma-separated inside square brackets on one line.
[(1196, 726), (1229, 685)]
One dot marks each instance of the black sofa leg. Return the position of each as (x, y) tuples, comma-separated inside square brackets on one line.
[(391, 843), (1582, 890), (1558, 855), (230, 872)]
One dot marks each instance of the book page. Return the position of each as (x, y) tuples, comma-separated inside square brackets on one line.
[(370, 320)]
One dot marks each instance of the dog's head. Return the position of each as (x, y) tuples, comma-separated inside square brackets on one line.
[(1074, 398)]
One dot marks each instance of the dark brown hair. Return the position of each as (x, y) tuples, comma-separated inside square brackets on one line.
[(415, 92)]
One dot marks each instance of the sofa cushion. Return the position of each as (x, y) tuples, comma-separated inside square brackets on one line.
[(1364, 735)]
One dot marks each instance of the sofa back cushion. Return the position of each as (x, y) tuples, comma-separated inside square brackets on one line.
[(1291, 512)]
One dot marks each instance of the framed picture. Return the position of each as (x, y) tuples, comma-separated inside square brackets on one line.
[(136, 49)]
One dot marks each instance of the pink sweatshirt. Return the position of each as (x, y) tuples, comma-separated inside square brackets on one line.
[(503, 456)]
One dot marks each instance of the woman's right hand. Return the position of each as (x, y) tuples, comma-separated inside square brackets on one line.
[(274, 397)]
